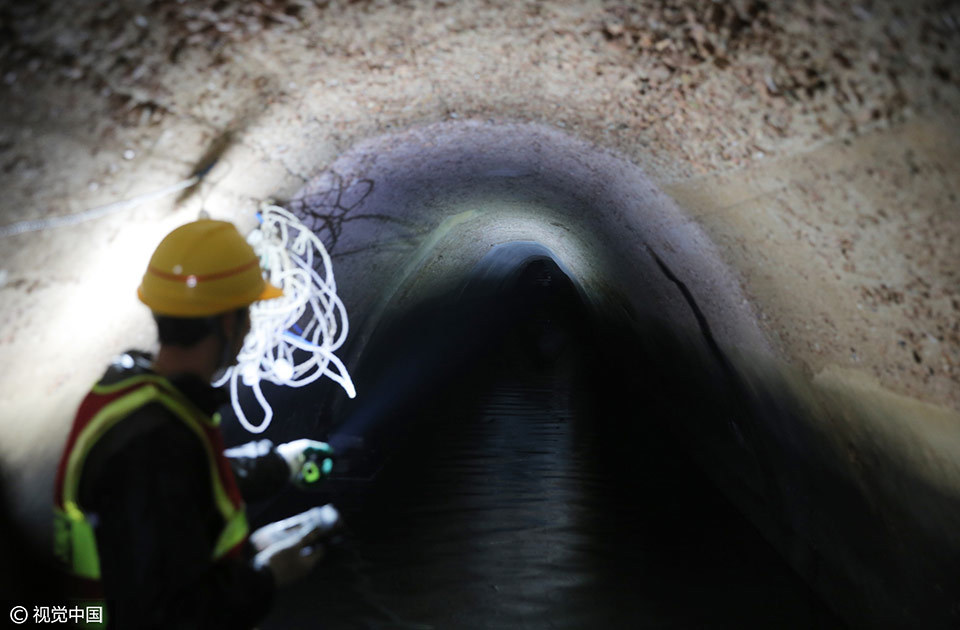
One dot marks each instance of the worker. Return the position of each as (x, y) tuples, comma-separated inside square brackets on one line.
[(149, 506)]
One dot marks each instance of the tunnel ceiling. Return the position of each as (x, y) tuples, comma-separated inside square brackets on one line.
[(407, 214)]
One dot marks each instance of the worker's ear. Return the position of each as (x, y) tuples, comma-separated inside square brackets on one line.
[(234, 322), (227, 323)]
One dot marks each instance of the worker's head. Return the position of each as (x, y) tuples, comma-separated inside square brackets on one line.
[(186, 332), (199, 284)]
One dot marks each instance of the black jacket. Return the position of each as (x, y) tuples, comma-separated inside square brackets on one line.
[(146, 486)]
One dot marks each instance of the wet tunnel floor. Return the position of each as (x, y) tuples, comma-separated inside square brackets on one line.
[(509, 511)]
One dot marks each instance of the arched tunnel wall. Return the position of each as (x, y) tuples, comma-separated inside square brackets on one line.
[(396, 206), (857, 496)]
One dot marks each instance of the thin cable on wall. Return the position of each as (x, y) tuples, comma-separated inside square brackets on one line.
[(37, 225), (292, 338)]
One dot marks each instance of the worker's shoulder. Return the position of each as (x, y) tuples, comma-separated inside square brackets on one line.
[(126, 365), (135, 363), (151, 426), (147, 438), (153, 422), (147, 421)]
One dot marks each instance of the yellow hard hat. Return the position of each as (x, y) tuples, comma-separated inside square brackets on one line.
[(203, 268)]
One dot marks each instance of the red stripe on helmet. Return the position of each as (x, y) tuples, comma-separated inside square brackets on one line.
[(205, 277)]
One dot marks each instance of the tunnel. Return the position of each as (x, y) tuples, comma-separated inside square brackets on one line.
[(654, 306), (665, 352), (519, 458)]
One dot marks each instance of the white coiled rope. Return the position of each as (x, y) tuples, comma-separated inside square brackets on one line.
[(292, 338)]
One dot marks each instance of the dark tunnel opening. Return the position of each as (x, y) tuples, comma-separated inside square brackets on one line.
[(518, 466)]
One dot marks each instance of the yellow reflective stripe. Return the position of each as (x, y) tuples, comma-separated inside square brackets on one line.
[(107, 417), (235, 527), (83, 557), (75, 544), (233, 533), (161, 382), (224, 504), (109, 388), (61, 537), (86, 559), (82, 538)]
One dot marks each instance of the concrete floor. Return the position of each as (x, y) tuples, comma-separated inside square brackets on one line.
[(800, 181)]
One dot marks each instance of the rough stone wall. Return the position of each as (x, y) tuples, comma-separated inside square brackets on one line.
[(849, 251)]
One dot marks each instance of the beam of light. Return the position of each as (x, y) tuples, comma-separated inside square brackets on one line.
[(95, 213), (310, 306)]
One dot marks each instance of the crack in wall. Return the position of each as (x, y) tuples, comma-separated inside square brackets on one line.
[(702, 322)]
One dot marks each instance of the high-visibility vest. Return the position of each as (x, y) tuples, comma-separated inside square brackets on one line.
[(107, 404)]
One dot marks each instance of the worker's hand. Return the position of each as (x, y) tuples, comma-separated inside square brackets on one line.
[(292, 547), (321, 522), (290, 560), (310, 461)]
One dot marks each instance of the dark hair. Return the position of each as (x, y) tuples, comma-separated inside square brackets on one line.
[(188, 331)]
